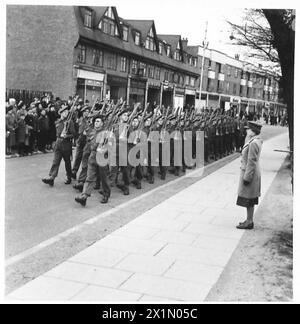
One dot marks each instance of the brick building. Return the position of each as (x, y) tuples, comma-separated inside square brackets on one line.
[(95, 53)]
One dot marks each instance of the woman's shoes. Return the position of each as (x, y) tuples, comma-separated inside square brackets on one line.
[(245, 226)]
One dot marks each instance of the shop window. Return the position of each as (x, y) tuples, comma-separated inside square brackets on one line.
[(81, 54), (97, 57), (88, 18)]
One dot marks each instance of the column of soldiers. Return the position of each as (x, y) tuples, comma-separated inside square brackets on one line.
[(224, 133)]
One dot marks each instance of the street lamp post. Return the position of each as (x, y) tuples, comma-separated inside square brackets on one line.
[(205, 46)]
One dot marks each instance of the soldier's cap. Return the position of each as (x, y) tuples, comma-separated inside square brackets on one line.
[(63, 107), (93, 114), (254, 125), (80, 101), (84, 108)]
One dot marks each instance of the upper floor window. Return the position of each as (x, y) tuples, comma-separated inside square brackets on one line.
[(151, 71), (176, 78), (160, 48), (236, 73), (88, 18), (190, 60), (112, 61), (125, 33), (81, 54), (150, 44), (228, 71), (142, 69), (195, 61), (169, 50), (177, 55), (192, 81), (134, 67), (108, 27), (166, 75), (123, 64), (97, 57), (187, 80), (157, 73), (137, 38)]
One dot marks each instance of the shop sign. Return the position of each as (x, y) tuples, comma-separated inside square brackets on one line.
[(221, 77), (211, 74), (243, 82)]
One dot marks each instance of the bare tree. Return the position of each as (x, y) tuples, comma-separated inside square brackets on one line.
[(270, 36)]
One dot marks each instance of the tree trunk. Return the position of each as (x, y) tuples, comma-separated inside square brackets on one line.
[(284, 42)]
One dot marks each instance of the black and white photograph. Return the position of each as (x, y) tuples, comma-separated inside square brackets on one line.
[(149, 153)]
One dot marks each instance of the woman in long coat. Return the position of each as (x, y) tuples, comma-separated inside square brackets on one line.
[(250, 179)]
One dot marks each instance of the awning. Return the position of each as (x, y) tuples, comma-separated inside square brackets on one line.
[(83, 74)]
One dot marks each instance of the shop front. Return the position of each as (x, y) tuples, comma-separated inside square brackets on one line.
[(190, 97), (167, 96), (179, 98), (116, 88), (225, 103), (153, 93), (89, 85), (213, 101), (137, 92)]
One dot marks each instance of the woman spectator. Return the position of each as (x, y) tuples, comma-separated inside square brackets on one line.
[(11, 125), (21, 133), (43, 131), (250, 179)]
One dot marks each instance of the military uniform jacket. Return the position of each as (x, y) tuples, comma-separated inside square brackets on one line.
[(61, 142), (250, 169)]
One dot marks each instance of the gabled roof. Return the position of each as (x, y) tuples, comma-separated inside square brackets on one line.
[(142, 26), (96, 35), (171, 40)]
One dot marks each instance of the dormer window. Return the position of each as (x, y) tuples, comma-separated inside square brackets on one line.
[(137, 38), (125, 33), (150, 44), (160, 48), (88, 18), (169, 50), (177, 55)]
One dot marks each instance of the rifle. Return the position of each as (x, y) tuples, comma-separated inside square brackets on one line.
[(141, 123), (70, 116)]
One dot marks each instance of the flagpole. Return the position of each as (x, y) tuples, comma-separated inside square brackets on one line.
[(205, 45)]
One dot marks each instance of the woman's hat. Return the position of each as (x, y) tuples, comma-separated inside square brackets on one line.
[(254, 125)]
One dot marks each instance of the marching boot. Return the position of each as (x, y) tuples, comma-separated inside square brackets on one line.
[(78, 186), (151, 179), (73, 175), (105, 199), (68, 181), (81, 200), (138, 185), (176, 173), (49, 181)]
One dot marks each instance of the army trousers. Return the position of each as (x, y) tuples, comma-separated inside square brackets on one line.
[(62, 150), (92, 173), (79, 153)]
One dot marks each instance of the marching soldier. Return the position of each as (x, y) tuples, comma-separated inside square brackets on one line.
[(81, 141), (93, 168), (63, 147)]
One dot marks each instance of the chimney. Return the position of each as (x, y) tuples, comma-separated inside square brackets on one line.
[(237, 56), (184, 42)]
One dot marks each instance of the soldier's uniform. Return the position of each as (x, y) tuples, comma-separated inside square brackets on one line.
[(65, 133), (92, 173), (81, 141)]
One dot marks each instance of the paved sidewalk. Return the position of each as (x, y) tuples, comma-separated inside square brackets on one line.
[(173, 252)]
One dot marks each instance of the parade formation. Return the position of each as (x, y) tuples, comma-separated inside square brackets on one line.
[(81, 124)]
